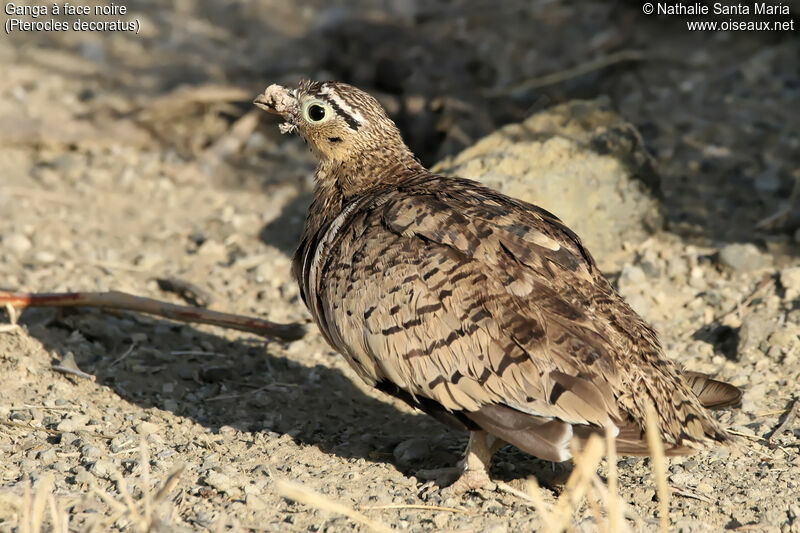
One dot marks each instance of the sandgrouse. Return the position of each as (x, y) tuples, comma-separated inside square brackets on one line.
[(482, 310)]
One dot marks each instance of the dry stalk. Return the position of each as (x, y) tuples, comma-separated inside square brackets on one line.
[(622, 56), (414, 506), (614, 508), (659, 466), (579, 481), (44, 488), (26, 509), (534, 492), (143, 514), (298, 493), (787, 422)]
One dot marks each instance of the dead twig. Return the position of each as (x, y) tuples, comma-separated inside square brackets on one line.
[(6, 328), (737, 310), (415, 506), (599, 63), (123, 356), (787, 421), (129, 302), (787, 206), (227, 145), (689, 493)]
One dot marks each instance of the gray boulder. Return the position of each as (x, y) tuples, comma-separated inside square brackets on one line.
[(579, 160)]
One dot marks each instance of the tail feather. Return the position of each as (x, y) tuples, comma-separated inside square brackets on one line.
[(550, 438), (712, 394)]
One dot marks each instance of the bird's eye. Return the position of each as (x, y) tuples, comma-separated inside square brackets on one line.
[(316, 112)]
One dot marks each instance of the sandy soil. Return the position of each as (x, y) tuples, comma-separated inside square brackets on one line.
[(115, 174)]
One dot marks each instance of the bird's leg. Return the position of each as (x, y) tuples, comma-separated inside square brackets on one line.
[(475, 465)]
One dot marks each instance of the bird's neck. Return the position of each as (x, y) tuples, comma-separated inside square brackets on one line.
[(337, 182)]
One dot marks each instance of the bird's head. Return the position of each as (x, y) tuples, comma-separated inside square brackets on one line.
[(338, 121)]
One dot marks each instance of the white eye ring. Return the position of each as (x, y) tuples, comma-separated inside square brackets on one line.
[(317, 111)]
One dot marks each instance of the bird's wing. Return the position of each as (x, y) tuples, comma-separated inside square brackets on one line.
[(458, 297), (491, 308)]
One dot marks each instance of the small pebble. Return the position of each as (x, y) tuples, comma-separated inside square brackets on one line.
[(147, 428), (411, 451), (17, 243), (742, 257)]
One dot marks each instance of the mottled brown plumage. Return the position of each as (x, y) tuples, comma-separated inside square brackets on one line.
[(482, 310)]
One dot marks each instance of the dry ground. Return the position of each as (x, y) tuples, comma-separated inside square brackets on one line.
[(113, 176)]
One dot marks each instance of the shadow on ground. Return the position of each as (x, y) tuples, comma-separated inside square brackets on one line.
[(238, 383)]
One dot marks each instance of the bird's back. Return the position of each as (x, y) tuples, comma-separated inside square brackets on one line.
[(489, 312)]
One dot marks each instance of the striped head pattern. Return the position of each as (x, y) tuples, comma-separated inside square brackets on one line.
[(337, 120)]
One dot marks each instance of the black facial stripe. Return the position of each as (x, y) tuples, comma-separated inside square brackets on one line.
[(353, 123)]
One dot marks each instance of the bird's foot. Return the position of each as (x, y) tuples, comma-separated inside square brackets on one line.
[(470, 480), (453, 482), (473, 471)]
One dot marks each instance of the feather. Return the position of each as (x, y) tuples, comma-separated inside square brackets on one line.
[(712, 394), (480, 309)]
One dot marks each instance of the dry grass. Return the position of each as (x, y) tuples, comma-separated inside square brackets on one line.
[(298, 493), (33, 509), (608, 509), (603, 499), (659, 466), (41, 510)]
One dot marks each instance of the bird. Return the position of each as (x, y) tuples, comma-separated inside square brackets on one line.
[(482, 310)]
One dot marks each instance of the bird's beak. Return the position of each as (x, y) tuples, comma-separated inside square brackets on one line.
[(276, 99), (279, 100), (262, 102)]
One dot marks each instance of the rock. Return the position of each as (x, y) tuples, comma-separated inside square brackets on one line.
[(23, 415), (742, 257), (790, 281), (756, 327), (45, 257), (578, 160), (103, 469), (794, 511), (47, 456), (76, 422), (786, 336), (411, 451), (215, 374), (82, 476), (16, 243), (631, 276), (440, 520), (632, 286), (213, 251), (705, 487), (254, 502), (495, 527), (147, 428), (220, 482), (91, 452)]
